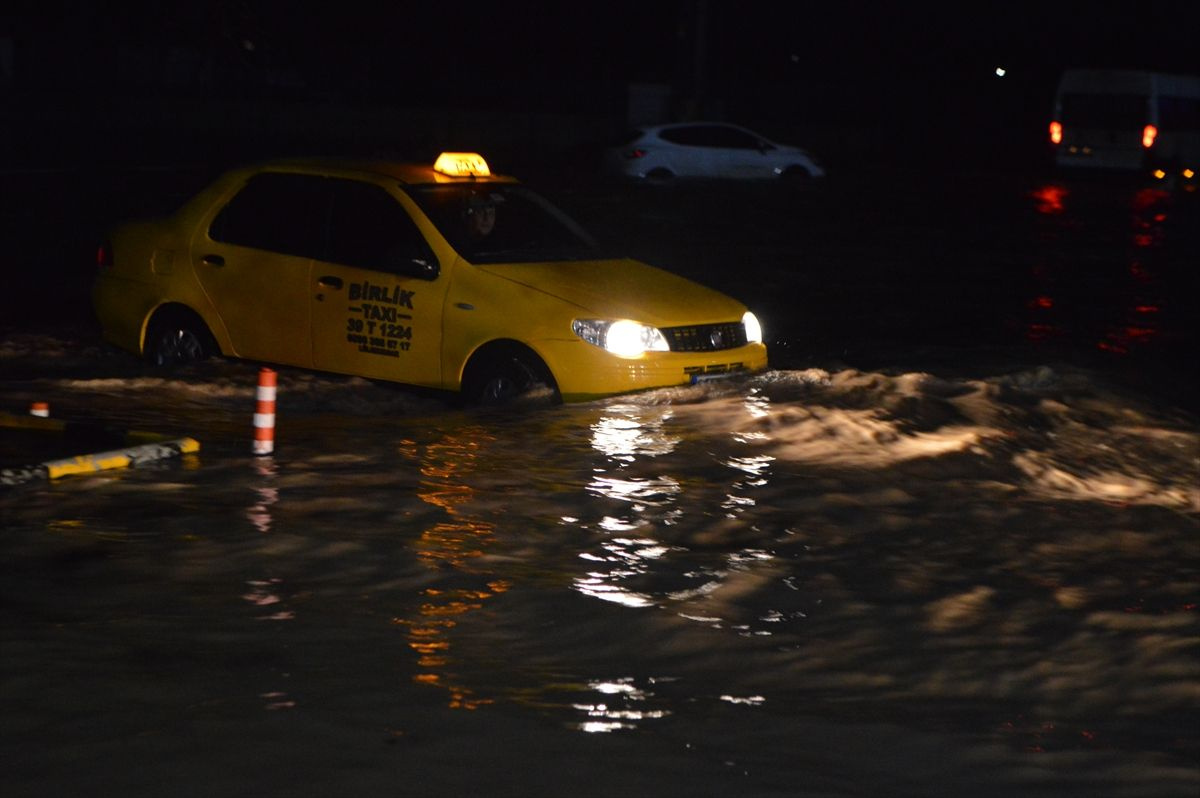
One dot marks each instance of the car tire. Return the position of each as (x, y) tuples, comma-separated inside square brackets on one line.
[(175, 338), (660, 174), (507, 375)]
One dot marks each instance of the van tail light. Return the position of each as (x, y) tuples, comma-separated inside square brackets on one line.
[(634, 153), (104, 258), (1149, 134), (1056, 132)]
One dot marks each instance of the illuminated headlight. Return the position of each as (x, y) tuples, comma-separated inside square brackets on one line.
[(623, 338), (753, 328)]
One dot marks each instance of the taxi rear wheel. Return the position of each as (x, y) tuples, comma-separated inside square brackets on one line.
[(505, 375), (177, 337)]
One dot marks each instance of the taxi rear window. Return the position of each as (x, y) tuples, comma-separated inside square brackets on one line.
[(502, 222)]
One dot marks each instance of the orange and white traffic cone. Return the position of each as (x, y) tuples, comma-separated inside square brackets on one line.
[(40, 409), (264, 413)]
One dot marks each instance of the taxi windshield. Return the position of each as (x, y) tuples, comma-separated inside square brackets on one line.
[(502, 223)]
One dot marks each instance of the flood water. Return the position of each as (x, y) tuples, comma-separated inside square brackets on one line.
[(947, 545)]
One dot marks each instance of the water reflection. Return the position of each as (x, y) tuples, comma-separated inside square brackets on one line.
[(619, 704), (628, 432), (265, 593), (627, 559), (265, 492), (1050, 199), (457, 543), (756, 468), (682, 541), (1116, 307), (639, 491)]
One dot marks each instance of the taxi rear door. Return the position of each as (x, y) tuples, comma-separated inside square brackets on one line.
[(377, 294), (254, 264)]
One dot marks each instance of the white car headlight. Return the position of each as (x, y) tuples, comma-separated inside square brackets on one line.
[(753, 328), (623, 338)]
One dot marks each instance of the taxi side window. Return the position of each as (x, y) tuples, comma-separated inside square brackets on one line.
[(368, 228), (277, 212)]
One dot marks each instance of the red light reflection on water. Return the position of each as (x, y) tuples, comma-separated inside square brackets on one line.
[(1120, 341), (1134, 323), (1147, 198), (1050, 199), (1039, 737)]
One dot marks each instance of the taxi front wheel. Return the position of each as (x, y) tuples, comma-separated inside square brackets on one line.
[(176, 338), (506, 375)]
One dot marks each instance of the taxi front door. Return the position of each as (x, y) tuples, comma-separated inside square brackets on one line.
[(377, 299)]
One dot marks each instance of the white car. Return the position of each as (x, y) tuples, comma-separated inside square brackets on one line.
[(707, 150)]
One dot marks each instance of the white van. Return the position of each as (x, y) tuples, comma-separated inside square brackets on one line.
[(1128, 120)]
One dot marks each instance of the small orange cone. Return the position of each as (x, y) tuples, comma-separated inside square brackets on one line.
[(41, 409)]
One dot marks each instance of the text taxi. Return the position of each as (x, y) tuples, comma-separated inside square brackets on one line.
[(447, 277)]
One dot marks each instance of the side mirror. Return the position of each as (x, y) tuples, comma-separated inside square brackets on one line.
[(422, 265), (424, 268)]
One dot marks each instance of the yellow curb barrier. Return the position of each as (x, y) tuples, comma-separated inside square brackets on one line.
[(120, 458)]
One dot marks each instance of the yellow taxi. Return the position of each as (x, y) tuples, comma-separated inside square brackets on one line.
[(444, 276)]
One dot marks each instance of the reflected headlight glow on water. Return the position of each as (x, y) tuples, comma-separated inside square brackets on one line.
[(755, 466), (597, 585), (603, 714), (661, 490), (627, 432), (757, 404), (629, 558)]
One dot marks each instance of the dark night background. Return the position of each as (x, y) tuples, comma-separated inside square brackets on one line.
[(858, 82)]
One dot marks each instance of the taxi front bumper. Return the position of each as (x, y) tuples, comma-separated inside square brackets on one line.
[(584, 371)]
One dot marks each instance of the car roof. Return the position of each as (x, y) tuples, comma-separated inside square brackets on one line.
[(405, 172)]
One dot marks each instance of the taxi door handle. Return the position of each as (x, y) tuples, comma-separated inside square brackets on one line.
[(329, 281), (212, 260)]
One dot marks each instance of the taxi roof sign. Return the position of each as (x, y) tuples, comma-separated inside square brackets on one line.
[(462, 164)]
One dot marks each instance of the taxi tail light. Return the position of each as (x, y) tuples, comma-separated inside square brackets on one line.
[(634, 153), (1149, 134), (104, 258), (1056, 131)]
